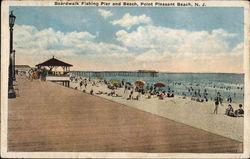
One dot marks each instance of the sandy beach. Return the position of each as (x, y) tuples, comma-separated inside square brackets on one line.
[(186, 111)]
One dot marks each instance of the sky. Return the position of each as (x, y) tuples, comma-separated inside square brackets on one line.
[(167, 39)]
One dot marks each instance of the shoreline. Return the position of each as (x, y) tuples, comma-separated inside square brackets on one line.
[(181, 110), (205, 87)]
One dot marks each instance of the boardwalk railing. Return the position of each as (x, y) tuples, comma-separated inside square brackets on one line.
[(62, 79)]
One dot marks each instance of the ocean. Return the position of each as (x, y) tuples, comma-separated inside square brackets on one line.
[(228, 84)]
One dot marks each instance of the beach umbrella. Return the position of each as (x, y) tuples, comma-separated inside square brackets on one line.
[(139, 83), (99, 77), (115, 82), (159, 84)]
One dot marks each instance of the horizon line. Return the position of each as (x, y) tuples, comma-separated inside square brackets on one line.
[(156, 71), (148, 70)]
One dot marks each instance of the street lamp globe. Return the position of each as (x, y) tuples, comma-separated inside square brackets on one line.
[(12, 19)]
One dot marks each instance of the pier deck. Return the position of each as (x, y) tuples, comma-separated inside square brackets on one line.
[(139, 73), (50, 117)]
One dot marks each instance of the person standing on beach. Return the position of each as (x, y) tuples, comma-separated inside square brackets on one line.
[(91, 91), (130, 95), (220, 99), (125, 91), (81, 83), (216, 105), (229, 99)]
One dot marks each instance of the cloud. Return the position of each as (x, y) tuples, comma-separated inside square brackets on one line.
[(150, 56), (239, 48), (128, 20), (31, 42), (176, 41), (173, 50), (148, 47), (28, 37), (105, 13)]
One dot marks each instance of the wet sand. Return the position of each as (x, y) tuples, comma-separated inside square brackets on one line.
[(50, 117)]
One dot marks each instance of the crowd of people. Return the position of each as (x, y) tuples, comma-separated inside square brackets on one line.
[(237, 113), (229, 111), (35, 73), (41, 73), (130, 91), (135, 92)]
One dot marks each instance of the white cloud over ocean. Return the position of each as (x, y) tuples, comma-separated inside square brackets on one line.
[(147, 47), (176, 41)]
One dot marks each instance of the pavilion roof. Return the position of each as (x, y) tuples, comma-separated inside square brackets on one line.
[(54, 62)]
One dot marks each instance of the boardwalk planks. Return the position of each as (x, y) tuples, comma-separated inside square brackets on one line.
[(50, 117)]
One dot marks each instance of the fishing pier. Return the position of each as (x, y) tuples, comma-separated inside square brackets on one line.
[(139, 73)]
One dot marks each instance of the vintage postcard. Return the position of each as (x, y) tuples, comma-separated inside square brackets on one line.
[(125, 79)]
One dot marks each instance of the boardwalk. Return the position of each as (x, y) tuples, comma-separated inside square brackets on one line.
[(49, 117)]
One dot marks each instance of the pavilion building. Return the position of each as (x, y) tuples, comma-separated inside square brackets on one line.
[(58, 71)]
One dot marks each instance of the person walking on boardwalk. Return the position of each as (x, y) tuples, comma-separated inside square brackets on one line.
[(31, 74), (43, 74), (216, 105)]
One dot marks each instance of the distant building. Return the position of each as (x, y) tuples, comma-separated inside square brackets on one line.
[(22, 68)]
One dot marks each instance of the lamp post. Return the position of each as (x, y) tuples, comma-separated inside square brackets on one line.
[(14, 65), (11, 91)]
